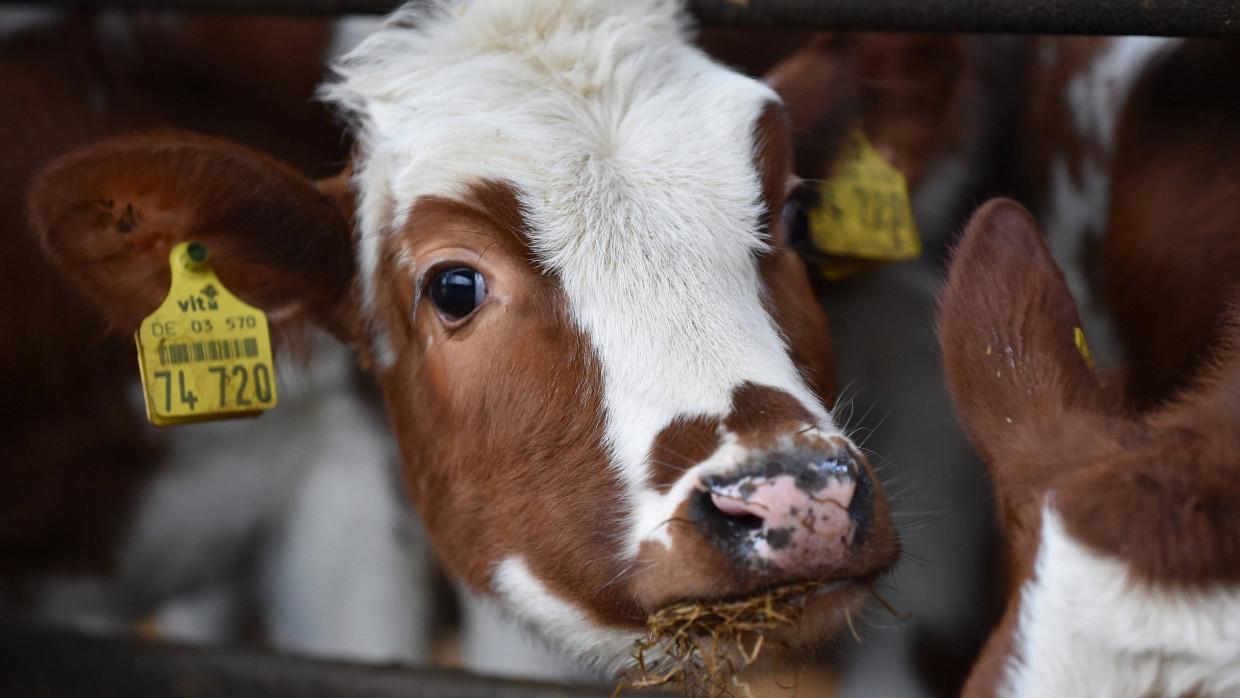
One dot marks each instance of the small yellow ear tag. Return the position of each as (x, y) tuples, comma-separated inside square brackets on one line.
[(1078, 336), (865, 218), (203, 354)]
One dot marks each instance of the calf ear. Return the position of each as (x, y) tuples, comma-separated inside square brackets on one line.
[(899, 87), (1011, 340), (110, 213)]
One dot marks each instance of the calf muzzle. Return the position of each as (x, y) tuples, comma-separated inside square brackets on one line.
[(791, 515)]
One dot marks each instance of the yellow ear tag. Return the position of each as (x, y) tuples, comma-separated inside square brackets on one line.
[(1078, 336), (865, 218), (203, 354)]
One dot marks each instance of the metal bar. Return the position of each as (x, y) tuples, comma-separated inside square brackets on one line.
[(40, 661), (1149, 17)]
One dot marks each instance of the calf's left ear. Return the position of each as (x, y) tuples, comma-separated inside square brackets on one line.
[(110, 213)]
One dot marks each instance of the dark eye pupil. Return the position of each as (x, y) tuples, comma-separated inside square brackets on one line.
[(456, 292), (796, 224)]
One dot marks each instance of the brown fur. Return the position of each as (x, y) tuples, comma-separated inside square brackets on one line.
[(758, 409), (1171, 257), (681, 445), (516, 391), (1149, 489), (116, 209)]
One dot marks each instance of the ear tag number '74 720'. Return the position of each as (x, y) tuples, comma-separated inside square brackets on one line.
[(204, 354)]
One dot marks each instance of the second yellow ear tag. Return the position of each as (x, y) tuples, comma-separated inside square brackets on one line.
[(1082, 347), (865, 217), (203, 354)]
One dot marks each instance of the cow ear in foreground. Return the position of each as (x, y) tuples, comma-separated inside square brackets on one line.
[(1011, 336), (110, 213)]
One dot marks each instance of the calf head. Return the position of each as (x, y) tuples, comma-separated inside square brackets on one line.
[(607, 373), (1123, 529)]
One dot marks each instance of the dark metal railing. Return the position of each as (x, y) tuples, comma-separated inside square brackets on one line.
[(1150, 17), (39, 660)]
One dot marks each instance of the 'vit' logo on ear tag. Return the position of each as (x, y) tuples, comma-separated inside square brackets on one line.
[(204, 354), (864, 218)]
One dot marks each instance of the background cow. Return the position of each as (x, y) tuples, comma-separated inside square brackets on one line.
[(1117, 490), (1121, 528), (217, 532)]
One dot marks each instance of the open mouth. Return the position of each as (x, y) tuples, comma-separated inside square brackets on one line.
[(704, 645)]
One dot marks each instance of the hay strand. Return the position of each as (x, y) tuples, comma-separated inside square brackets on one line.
[(704, 646)]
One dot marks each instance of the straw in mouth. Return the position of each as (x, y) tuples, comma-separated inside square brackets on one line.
[(704, 645)]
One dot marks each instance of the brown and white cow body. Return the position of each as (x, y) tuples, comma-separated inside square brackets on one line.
[(1118, 495), (607, 375)]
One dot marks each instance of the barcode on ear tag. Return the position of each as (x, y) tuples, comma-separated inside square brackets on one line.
[(864, 217), (204, 353)]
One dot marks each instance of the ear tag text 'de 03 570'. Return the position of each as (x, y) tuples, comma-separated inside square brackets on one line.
[(204, 353)]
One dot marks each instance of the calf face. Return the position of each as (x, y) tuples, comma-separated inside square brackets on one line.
[(607, 374), (1123, 534)]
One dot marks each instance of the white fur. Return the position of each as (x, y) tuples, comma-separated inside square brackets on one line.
[(1097, 93), (1088, 628), (300, 506), (632, 154), (559, 622)]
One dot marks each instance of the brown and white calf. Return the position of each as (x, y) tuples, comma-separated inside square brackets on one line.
[(560, 249), (1119, 496), (1123, 534)]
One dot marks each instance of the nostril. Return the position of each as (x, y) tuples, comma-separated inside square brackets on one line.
[(730, 505), (725, 517), (741, 513)]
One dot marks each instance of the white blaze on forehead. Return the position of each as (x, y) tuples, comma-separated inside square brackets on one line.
[(633, 155), (1087, 627)]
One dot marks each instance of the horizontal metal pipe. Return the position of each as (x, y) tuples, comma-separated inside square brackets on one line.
[(38, 660), (1150, 17)]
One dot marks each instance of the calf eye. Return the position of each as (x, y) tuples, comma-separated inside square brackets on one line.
[(456, 292), (796, 223)]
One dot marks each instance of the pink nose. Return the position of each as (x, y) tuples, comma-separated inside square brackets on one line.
[(798, 516)]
